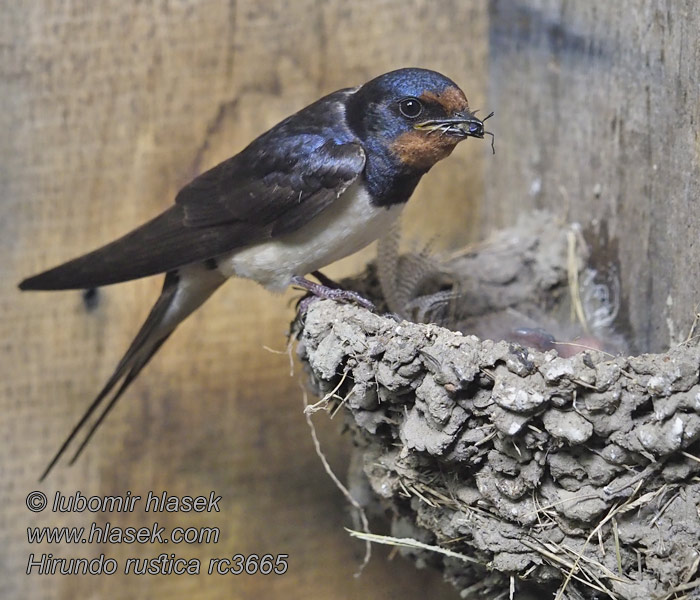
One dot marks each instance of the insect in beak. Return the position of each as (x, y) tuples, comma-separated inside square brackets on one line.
[(475, 128), (466, 125)]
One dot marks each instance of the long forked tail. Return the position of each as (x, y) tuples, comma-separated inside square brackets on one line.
[(183, 292)]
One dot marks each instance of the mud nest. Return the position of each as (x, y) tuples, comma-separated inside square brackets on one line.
[(541, 459)]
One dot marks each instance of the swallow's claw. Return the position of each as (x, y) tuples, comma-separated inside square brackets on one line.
[(323, 291)]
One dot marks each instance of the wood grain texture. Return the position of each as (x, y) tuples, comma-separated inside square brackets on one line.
[(106, 110), (598, 119)]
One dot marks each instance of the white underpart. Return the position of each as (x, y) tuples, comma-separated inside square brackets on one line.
[(348, 225), (195, 284)]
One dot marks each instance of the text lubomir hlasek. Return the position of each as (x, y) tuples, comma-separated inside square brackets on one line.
[(162, 502)]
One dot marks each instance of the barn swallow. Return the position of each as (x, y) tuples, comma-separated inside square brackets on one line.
[(317, 187)]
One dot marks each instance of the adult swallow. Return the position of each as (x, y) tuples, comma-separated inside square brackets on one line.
[(320, 185)]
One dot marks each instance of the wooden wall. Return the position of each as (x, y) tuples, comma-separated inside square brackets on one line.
[(106, 110), (598, 118)]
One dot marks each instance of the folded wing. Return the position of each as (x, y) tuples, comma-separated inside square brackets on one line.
[(277, 184)]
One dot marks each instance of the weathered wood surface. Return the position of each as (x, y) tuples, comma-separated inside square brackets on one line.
[(106, 110), (598, 118)]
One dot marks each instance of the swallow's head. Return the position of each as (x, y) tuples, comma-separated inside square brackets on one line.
[(417, 115)]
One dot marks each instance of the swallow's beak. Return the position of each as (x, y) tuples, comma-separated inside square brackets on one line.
[(460, 125)]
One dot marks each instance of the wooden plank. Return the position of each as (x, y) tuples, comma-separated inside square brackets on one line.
[(597, 119)]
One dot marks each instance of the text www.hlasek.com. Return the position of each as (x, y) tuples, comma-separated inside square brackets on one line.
[(122, 535)]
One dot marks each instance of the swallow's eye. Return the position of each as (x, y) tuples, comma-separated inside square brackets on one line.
[(410, 108)]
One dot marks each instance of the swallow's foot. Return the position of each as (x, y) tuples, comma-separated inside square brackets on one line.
[(327, 281), (324, 291), (304, 303)]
